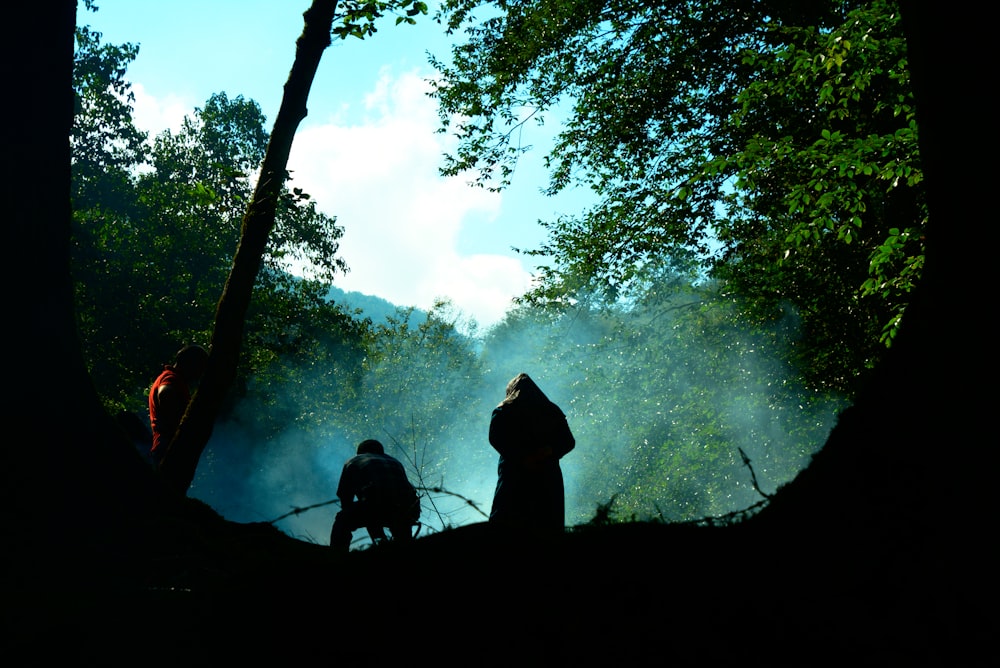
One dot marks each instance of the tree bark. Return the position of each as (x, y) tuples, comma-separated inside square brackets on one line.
[(181, 461), (901, 476), (70, 477)]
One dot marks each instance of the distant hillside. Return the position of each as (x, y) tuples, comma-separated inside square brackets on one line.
[(373, 307)]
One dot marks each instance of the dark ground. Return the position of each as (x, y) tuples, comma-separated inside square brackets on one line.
[(625, 593)]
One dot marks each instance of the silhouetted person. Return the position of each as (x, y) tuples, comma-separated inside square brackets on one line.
[(170, 394), (374, 493), (532, 435)]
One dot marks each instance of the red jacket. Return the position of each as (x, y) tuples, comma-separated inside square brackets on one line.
[(164, 420)]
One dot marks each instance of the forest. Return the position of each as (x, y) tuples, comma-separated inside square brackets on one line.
[(744, 332), (727, 364)]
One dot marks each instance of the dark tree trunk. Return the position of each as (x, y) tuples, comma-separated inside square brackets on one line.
[(69, 473), (904, 458), (888, 522), (192, 436)]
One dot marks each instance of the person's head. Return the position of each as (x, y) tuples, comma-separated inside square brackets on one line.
[(518, 382), (191, 361), (370, 447), (522, 386)]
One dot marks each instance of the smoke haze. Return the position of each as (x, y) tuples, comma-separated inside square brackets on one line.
[(629, 404)]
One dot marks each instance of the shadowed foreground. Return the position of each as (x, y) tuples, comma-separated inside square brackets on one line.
[(631, 592)]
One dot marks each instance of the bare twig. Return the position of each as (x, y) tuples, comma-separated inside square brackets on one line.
[(299, 511), (441, 490), (434, 490), (753, 476)]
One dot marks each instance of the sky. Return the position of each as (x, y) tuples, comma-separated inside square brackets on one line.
[(367, 152)]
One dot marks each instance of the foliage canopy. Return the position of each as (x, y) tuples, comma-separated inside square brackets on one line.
[(774, 142), (155, 227)]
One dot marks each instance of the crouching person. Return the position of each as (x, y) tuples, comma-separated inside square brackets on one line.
[(374, 493)]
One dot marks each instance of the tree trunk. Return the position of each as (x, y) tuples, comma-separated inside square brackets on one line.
[(71, 478), (890, 514), (181, 461)]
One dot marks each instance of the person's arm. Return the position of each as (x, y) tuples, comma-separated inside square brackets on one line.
[(500, 428), (170, 407), (555, 440), (345, 488), (168, 396)]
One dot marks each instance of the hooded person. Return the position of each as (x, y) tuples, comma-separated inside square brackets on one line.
[(531, 435)]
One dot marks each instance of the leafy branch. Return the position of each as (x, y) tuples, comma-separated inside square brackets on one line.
[(359, 18)]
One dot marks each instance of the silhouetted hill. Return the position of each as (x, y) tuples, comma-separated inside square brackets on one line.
[(376, 308)]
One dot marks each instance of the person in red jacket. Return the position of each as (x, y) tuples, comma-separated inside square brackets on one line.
[(170, 394)]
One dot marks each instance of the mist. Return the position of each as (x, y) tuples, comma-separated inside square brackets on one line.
[(663, 416)]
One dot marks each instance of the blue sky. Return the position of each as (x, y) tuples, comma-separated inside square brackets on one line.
[(367, 152)]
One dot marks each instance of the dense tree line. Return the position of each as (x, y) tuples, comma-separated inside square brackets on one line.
[(155, 227)]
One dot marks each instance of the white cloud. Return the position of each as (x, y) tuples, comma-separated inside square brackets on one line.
[(379, 177), (155, 115), (375, 167)]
